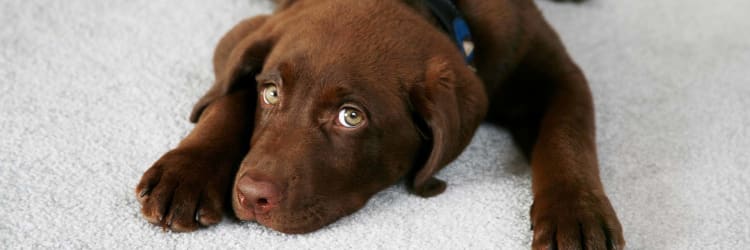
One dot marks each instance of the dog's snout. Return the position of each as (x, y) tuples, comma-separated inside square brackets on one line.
[(260, 196)]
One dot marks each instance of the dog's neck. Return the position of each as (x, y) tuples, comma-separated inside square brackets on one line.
[(442, 13), (447, 17)]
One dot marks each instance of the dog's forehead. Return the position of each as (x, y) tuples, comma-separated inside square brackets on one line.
[(330, 52), (333, 80), (374, 32), (352, 67)]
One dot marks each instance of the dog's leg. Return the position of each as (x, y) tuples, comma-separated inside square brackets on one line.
[(571, 210), (549, 111), (547, 106), (189, 185)]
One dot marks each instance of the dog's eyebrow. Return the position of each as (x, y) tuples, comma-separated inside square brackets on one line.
[(273, 76)]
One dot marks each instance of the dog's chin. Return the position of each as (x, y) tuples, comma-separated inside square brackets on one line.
[(300, 225), (292, 227)]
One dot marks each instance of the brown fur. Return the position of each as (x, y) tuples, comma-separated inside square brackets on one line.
[(421, 106)]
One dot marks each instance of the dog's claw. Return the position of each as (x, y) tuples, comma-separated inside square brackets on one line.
[(144, 192)]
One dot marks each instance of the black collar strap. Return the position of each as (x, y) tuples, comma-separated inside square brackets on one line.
[(453, 23)]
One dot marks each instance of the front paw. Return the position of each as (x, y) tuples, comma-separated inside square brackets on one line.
[(575, 220), (185, 189)]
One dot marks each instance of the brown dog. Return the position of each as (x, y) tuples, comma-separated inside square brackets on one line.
[(326, 102)]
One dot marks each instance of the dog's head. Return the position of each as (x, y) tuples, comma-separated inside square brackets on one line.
[(351, 97)]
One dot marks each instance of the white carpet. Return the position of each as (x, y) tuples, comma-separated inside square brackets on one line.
[(92, 92)]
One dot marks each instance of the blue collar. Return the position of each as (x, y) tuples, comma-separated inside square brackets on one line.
[(453, 23)]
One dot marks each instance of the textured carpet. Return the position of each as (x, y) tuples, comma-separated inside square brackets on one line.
[(92, 92)]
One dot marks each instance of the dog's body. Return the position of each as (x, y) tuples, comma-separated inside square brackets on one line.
[(340, 99)]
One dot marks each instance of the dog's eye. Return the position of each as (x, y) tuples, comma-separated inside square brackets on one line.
[(350, 117), (271, 94)]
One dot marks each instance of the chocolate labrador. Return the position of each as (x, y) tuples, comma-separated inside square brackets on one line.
[(323, 103)]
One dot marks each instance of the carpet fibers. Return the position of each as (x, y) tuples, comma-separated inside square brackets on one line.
[(93, 92)]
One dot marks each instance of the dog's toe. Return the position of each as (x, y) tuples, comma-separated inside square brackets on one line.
[(156, 204), (181, 217), (182, 192), (209, 210), (575, 221)]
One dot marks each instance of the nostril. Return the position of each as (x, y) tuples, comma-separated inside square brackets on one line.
[(262, 202)]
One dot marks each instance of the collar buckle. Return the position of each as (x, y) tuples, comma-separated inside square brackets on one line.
[(453, 23)]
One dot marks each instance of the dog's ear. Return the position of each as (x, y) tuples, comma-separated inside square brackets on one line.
[(242, 64), (451, 104), (283, 4)]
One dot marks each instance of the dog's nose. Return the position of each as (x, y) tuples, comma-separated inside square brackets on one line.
[(260, 196)]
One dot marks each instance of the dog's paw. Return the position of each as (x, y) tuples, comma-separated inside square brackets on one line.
[(184, 189), (575, 220)]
